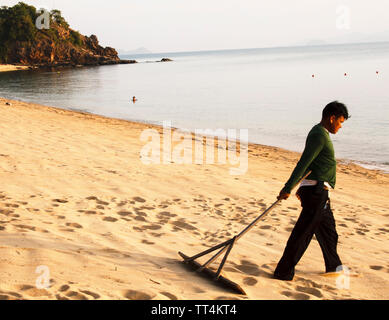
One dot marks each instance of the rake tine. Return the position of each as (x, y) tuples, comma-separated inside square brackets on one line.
[(225, 243), (212, 259), (225, 258)]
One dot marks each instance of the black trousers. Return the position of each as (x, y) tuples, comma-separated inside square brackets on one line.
[(316, 218)]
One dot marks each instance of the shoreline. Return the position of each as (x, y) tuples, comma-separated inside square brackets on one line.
[(77, 199), (59, 66), (363, 164), (14, 67)]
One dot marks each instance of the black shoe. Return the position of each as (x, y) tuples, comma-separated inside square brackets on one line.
[(283, 277)]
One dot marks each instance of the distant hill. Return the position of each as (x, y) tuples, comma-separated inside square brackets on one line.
[(351, 37), (24, 41)]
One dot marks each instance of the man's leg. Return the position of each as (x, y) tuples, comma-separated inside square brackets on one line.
[(327, 237), (302, 233)]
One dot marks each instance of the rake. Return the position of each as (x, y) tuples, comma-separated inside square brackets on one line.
[(225, 247)]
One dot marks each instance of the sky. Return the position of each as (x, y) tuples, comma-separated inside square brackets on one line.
[(195, 25)]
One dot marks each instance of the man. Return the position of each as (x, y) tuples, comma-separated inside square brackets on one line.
[(316, 217)]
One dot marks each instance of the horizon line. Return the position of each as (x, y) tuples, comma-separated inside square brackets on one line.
[(256, 48)]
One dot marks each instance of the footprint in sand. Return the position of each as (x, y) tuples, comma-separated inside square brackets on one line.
[(10, 296), (250, 281), (100, 202), (122, 203), (82, 295), (59, 200), (33, 291), (74, 225), (76, 295), (137, 295), (25, 227), (164, 216), (91, 198), (183, 225), (140, 213), (248, 267), (110, 219), (146, 208), (226, 298), (313, 291), (6, 212), (124, 213), (376, 267), (90, 293), (147, 242), (153, 227), (63, 288), (198, 290), (139, 199), (297, 296), (11, 205), (169, 295)]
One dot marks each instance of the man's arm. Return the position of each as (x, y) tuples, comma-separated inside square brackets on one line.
[(313, 147)]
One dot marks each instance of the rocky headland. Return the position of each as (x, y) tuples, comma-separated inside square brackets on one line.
[(23, 41)]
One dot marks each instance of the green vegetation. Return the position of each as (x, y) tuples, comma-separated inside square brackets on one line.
[(17, 24), (55, 16), (75, 38)]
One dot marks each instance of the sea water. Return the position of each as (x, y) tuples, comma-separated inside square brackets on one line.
[(276, 93)]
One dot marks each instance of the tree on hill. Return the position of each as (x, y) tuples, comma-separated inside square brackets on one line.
[(17, 24), (55, 16)]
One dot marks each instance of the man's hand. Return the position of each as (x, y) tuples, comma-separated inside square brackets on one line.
[(283, 195)]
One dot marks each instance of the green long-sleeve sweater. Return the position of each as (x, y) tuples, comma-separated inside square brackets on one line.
[(318, 156)]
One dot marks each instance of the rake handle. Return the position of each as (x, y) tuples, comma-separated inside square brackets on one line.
[(267, 210), (252, 224)]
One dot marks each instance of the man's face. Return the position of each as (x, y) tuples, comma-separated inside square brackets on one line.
[(335, 124)]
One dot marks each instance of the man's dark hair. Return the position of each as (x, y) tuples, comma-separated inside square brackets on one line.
[(336, 109)]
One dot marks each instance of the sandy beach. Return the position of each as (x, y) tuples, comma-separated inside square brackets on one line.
[(11, 67), (76, 199)]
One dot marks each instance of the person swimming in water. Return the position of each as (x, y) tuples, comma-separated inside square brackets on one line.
[(134, 99)]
